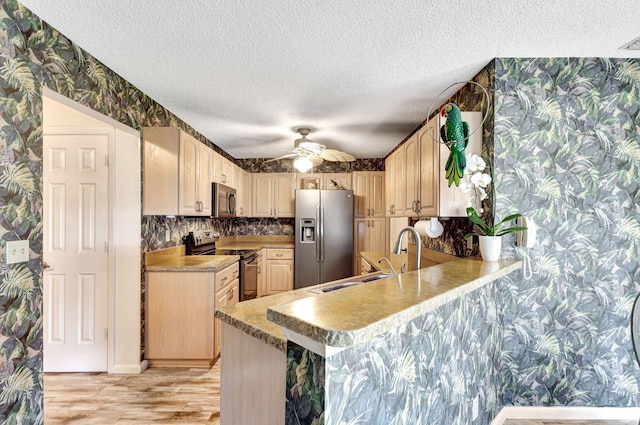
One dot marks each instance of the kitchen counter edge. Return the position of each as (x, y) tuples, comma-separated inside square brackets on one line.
[(194, 263), (332, 319)]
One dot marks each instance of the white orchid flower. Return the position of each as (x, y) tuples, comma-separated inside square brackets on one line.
[(481, 179), (476, 163), (483, 194), (466, 186)]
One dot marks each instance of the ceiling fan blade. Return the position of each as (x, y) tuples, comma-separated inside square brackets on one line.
[(290, 155), (337, 156), (315, 159)]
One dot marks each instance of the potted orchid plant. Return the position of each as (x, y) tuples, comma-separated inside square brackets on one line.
[(476, 181)]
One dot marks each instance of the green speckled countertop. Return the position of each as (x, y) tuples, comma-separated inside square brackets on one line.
[(382, 305)]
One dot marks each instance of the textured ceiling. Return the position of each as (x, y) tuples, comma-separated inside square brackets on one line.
[(363, 74)]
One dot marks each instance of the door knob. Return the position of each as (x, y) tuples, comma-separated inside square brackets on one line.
[(45, 265)]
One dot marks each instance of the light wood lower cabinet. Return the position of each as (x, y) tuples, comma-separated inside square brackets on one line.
[(262, 273), (180, 328), (279, 270)]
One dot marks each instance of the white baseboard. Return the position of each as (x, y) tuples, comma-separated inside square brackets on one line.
[(566, 412), (130, 369)]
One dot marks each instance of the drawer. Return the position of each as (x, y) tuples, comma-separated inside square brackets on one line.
[(279, 254), (226, 276)]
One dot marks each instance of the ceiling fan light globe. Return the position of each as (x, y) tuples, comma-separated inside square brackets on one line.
[(302, 164)]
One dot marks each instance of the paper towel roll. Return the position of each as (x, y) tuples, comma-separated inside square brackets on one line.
[(432, 228)]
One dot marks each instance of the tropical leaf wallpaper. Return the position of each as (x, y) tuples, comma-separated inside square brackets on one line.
[(567, 154), (305, 386)]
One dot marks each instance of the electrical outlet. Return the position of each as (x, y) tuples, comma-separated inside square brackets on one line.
[(17, 252)]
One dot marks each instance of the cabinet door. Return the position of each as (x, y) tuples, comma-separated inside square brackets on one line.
[(262, 201), (180, 323), (205, 178), (217, 167), (399, 190), (279, 276), (188, 176), (376, 235), (389, 184), (361, 193), (227, 173), (359, 241), (376, 194), (161, 171), (244, 194), (412, 175), (429, 165), (285, 195), (224, 298), (262, 273)]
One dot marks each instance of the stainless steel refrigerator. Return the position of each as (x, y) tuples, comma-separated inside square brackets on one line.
[(324, 236)]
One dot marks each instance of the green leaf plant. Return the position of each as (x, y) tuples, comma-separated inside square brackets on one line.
[(486, 230)]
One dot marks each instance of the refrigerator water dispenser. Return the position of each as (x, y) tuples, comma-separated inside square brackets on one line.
[(307, 230)]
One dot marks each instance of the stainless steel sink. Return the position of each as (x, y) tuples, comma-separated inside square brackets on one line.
[(350, 281)]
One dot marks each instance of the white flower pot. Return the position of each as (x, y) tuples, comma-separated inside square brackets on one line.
[(490, 247)]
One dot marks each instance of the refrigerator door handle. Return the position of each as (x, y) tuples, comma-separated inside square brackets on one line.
[(319, 234), (322, 234)]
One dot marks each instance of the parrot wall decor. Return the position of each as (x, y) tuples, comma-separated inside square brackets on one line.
[(455, 134)]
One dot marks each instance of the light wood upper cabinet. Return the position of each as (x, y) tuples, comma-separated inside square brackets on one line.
[(227, 173), (395, 175), (369, 189), (416, 183), (429, 188), (412, 175), (177, 173), (285, 204), (244, 181), (217, 167), (194, 178), (273, 195)]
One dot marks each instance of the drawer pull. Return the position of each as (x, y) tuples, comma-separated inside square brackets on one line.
[(230, 294), (224, 279), (279, 255)]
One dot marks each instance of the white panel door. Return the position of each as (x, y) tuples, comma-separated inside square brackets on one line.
[(76, 231)]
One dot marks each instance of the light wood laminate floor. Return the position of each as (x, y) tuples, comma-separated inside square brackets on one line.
[(164, 396), (157, 396)]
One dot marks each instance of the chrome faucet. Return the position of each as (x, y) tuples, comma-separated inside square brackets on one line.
[(397, 249), (390, 265)]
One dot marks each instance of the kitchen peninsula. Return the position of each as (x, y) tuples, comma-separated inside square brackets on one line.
[(352, 352)]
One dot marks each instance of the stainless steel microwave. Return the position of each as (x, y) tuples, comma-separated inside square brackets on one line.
[(224, 201)]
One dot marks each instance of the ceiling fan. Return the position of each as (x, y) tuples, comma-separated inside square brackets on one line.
[(308, 153)]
